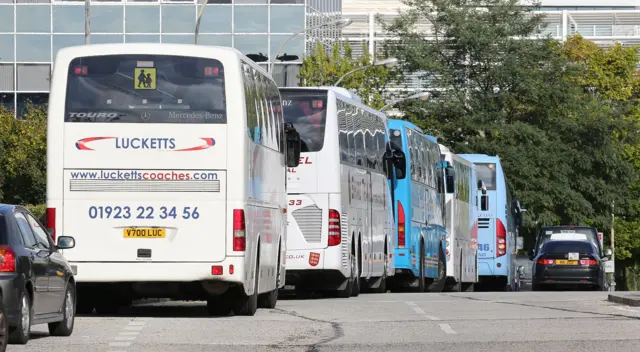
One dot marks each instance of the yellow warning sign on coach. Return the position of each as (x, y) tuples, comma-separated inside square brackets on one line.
[(145, 78)]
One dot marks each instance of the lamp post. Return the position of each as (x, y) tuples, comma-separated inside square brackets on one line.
[(200, 12), (390, 62), (87, 22), (421, 96), (341, 23)]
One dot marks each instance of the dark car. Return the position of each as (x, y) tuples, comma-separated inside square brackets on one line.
[(36, 281), (566, 232), (563, 263)]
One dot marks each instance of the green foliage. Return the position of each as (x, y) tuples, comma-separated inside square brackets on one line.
[(518, 99), (322, 68), (23, 143), (37, 209)]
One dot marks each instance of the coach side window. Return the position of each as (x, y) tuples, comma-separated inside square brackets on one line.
[(250, 92)]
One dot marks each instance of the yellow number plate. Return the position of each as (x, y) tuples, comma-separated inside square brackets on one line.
[(567, 262), (144, 232)]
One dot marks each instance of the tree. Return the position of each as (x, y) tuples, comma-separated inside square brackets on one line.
[(24, 160), (507, 91), (321, 68)]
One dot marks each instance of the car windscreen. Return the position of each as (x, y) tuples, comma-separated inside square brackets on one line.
[(4, 229), (589, 234), (307, 111), (487, 174), (560, 247), (145, 89)]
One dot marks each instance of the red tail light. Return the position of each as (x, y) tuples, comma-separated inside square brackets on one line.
[(335, 235), (7, 260), (589, 262), (239, 239), (501, 239), (545, 261), (401, 233), (51, 223)]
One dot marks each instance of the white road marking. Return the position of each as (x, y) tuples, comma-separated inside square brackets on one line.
[(127, 334), (420, 311), (447, 329)]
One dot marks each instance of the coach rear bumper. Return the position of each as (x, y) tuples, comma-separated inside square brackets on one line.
[(315, 268)]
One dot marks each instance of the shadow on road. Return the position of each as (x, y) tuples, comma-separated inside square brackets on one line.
[(166, 310)]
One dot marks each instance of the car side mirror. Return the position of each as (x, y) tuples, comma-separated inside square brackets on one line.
[(450, 176), (293, 145), (531, 254), (608, 252), (66, 242), (395, 159)]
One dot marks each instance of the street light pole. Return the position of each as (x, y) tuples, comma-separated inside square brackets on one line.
[(421, 96), (200, 12), (342, 22), (390, 62), (87, 22)]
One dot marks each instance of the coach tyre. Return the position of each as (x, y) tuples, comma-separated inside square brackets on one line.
[(248, 305), (270, 299)]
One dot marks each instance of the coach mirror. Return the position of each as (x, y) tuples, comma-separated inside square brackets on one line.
[(293, 145), (394, 158), (450, 176), (484, 198)]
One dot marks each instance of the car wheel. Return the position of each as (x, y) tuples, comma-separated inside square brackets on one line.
[(65, 327), (22, 331), (4, 328)]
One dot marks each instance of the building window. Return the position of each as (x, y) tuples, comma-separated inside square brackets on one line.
[(178, 18), (6, 47), (287, 19), (26, 100), (68, 18), (106, 38), (253, 45), (33, 18), (6, 18), (251, 19), (6, 78), (142, 38), (7, 101), (142, 19), (208, 39), (33, 48), (33, 78), (107, 19), (216, 19)]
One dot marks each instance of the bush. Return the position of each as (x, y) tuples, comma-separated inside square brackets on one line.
[(37, 209), (23, 156)]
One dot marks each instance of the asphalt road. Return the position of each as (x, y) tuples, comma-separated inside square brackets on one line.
[(488, 321)]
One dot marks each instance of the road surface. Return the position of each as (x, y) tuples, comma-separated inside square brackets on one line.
[(487, 321)]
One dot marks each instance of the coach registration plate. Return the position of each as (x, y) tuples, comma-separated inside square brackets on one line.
[(145, 232)]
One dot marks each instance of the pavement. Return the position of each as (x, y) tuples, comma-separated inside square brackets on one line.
[(481, 321), (628, 298)]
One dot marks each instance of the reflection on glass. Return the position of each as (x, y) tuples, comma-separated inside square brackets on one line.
[(177, 39), (33, 48), (25, 100), (106, 19), (252, 44), (251, 19), (6, 47), (107, 38), (295, 47), (142, 38), (178, 18), (63, 41), (33, 18), (216, 19), (6, 18), (68, 19), (143, 19), (6, 101), (287, 19), (217, 40)]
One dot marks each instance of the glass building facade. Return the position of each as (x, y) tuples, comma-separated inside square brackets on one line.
[(32, 31)]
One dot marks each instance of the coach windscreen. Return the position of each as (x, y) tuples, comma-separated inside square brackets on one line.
[(145, 89), (307, 111)]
